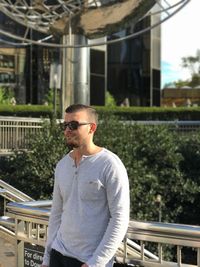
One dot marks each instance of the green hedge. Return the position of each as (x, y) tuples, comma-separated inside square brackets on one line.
[(126, 113), (152, 113), (35, 111)]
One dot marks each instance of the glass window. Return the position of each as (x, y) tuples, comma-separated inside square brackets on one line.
[(7, 61)]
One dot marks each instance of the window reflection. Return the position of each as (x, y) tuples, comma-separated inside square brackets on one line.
[(7, 65)]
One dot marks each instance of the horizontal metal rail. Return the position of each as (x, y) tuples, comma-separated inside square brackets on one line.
[(11, 193), (33, 209), (180, 230)]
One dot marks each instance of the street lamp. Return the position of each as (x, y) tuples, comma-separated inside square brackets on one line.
[(55, 82), (158, 200)]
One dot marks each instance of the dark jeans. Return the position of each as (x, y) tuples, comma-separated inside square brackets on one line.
[(58, 260)]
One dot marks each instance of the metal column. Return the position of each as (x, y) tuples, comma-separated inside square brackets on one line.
[(75, 73)]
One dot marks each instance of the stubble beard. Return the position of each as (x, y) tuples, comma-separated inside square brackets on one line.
[(71, 144)]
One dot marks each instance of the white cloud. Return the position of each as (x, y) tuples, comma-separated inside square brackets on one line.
[(180, 38)]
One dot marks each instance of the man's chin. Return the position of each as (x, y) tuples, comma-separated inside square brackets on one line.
[(72, 146)]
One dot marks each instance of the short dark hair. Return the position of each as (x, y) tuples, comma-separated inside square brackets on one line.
[(79, 107)]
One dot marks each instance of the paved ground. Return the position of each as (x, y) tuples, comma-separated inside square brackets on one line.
[(7, 254)]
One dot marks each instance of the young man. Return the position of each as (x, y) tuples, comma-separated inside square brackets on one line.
[(90, 210)]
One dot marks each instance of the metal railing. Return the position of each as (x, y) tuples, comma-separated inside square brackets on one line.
[(181, 126), (178, 236), (15, 132), (26, 222), (31, 224), (12, 194)]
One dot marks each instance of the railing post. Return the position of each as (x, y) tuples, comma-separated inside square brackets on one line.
[(125, 250), (198, 257), (142, 250), (17, 135), (19, 228), (179, 257), (160, 252)]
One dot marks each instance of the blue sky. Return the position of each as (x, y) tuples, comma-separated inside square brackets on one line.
[(180, 38)]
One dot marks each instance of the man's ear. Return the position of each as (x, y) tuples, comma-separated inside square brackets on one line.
[(93, 127)]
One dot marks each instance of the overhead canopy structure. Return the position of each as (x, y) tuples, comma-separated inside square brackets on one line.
[(56, 14), (91, 18), (105, 19)]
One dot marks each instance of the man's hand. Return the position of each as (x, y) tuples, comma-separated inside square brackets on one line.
[(84, 265)]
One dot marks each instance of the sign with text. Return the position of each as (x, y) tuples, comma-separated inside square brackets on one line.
[(33, 255)]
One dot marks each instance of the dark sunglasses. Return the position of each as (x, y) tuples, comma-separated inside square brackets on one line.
[(72, 125)]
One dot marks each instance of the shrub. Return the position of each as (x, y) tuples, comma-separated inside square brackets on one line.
[(125, 113), (34, 111), (33, 171), (110, 101), (152, 159), (189, 197), (7, 96)]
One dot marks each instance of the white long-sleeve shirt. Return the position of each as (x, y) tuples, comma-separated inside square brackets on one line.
[(90, 209)]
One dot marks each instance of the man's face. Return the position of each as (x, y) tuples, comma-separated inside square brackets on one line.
[(79, 137)]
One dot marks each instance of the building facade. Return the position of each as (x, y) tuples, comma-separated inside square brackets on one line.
[(180, 97)]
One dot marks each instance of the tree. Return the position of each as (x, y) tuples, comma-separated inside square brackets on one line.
[(192, 63)]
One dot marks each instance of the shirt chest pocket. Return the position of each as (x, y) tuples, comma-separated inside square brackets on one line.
[(91, 190)]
